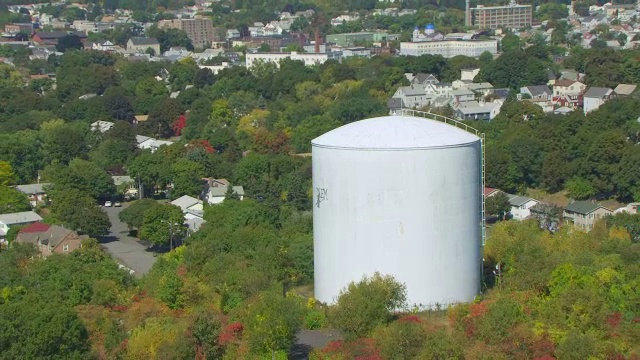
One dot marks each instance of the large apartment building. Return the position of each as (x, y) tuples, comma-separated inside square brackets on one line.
[(512, 16), (200, 30)]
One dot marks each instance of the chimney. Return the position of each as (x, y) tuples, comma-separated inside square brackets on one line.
[(317, 41)]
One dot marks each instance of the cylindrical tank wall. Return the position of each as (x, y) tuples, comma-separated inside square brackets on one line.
[(414, 214)]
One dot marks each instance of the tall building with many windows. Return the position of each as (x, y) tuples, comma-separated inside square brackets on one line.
[(512, 16), (200, 30)]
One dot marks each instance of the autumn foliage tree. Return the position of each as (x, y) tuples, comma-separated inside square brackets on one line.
[(179, 124)]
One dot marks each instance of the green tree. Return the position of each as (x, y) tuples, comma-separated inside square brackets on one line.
[(579, 188), (64, 142), (403, 339), (510, 42), (366, 304), (551, 11), (498, 205), (7, 177), (28, 331), (272, 323), (12, 200), (206, 330), (162, 224), (75, 210), (134, 213), (69, 42), (187, 178), (84, 176)]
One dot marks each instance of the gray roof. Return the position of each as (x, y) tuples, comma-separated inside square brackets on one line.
[(461, 92), (625, 89), (395, 103), (583, 207), (421, 78), (141, 138), (220, 191), (473, 107), (185, 202), (501, 93), (144, 41), (24, 217), (597, 92), (412, 90), (32, 189), (537, 90), (516, 200)]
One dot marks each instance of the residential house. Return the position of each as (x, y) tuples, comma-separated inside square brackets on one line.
[(631, 208), (478, 110), (424, 79), (103, 45), (480, 90), (541, 92), (216, 189), (126, 186), (50, 239), (101, 126), (16, 219), (489, 192), (145, 142), (520, 206), (595, 97), (140, 119), (584, 214), (624, 89), (469, 74), (193, 212), (141, 44), (568, 87), (395, 105), (413, 96), (462, 95), (35, 192)]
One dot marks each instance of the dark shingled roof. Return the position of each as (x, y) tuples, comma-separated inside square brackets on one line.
[(583, 207), (144, 41)]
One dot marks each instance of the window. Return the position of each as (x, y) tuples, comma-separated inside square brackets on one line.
[(65, 248)]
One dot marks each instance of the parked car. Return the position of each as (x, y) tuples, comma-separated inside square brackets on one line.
[(107, 204), (117, 204)]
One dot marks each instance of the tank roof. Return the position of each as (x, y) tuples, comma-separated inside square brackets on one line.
[(395, 133)]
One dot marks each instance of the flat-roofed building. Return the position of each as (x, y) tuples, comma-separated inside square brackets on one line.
[(512, 16)]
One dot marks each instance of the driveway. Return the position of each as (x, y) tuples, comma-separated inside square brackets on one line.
[(126, 249)]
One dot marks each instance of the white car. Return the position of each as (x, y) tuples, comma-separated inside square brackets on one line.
[(117, 204), (107, 204)]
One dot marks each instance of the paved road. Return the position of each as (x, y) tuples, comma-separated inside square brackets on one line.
[(127, 250)]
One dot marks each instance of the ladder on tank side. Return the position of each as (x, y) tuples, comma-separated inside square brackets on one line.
[(474, 131)]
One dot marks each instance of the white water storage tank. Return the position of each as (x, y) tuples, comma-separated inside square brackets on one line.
[(401, 196)]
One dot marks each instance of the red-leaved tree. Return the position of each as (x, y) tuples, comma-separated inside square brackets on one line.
[(179, 124)]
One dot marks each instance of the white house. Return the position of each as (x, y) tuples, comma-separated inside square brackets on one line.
[(16, 219), (35, 192), (595, 97), (193, 212), (101, 126), (469, 74), (413, 96), (216, 190), (145, 142), (521, 206), (568, 87), (541, 92), (474, 110)]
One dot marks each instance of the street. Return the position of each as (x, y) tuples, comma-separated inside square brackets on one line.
[(126, 249)]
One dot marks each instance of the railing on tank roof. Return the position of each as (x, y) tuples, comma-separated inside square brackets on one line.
[(441, 118)]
